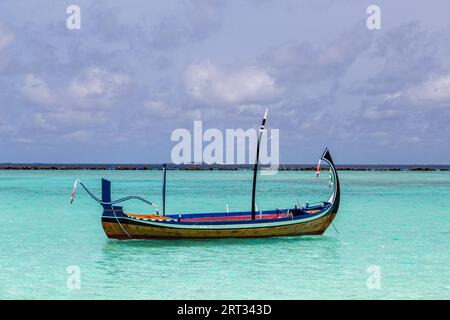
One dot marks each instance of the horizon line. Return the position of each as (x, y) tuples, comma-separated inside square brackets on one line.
[(112, 164)]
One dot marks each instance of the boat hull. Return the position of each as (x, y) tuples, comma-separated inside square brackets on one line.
[(125, 229)]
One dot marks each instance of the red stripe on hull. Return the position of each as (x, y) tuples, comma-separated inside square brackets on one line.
[(237, 218)]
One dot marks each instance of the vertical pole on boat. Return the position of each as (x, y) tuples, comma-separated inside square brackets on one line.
[(255, 169), (164, 191)]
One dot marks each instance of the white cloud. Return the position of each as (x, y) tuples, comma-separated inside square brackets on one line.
[(24, 140), (82, 136), (6, 128), (435, 91), (379, 114), (307, 63), (96, 86), (253, 109), (68, 119), (93, 87), (215, 85), (6, 37), (74, 107), (160, 109), (36, 90)]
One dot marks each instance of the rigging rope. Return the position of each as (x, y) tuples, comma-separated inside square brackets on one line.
[(117, 219), (111, 202)]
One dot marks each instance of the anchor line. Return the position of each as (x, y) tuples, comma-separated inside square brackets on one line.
[(332, 223)]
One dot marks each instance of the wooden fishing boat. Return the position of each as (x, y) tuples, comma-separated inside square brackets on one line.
[(309, 219)]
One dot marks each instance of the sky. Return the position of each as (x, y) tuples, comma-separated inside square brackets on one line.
[(115, 90)]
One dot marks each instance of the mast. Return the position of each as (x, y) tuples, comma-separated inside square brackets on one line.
[(255, 169), (164, 191)]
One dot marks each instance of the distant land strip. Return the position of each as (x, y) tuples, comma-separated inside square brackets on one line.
[(205, 167)]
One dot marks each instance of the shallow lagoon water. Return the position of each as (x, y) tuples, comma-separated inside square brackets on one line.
[(397, 221)]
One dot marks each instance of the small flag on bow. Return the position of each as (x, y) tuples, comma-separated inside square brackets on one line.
[(318, 169), (74, 190)]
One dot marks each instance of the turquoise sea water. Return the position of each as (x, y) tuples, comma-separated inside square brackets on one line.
[(396, 221)]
